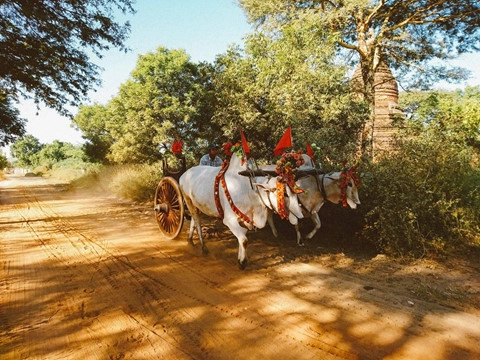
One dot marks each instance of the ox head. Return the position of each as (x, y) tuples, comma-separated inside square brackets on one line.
[(349, 184), (267, 192), (307, 163)]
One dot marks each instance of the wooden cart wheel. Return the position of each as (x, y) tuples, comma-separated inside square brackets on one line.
[(169, 208)]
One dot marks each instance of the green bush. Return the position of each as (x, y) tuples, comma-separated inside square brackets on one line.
[(424, 199)]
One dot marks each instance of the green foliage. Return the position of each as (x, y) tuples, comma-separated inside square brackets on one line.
[(401, 33), (3, 162), (292, 81), (92, 120), (407, 36), (25, 150), (58, 151), (166, 97), (426, 197), (428, 202), (136, 182), (453, 115), (130, 182), (59, 159), (44, 47), (68, 170), (11, 125)]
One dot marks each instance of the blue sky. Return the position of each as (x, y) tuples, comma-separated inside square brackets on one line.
[(203, 28)]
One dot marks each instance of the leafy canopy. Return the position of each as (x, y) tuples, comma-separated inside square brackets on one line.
[(92, 121), (452, 116), (288, 81), (46, 47), (167, 96), (11, 125), (25, 150), (407, 35), (413, 38)]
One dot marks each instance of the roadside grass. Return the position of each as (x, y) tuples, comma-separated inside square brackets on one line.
[(130, 182)]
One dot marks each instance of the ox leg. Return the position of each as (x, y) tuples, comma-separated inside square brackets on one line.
[(271, 223), (299, 235), (242, 253), (200, 235), (317, 224), (240, 233), (193, 220), (195, 224), (190, 231)]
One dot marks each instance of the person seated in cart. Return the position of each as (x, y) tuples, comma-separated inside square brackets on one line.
[(211, 158)]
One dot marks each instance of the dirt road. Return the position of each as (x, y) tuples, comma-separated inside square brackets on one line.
[(86, 276)]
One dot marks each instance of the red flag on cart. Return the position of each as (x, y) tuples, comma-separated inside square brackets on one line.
[(246, 149), (310, 151), (284, 143)]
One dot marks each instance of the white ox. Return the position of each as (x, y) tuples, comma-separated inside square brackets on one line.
[(252, 197), (320, 188)]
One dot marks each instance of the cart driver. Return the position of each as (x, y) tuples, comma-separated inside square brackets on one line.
[(211, 158)]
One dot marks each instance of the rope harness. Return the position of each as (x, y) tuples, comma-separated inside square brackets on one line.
[(345, 177), (220, 178), (282, 211), (322, 187), (282, 182)]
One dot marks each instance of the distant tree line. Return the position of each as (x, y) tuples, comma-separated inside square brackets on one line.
[(30, 153)]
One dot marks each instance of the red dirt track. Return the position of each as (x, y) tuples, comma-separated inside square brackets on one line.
[(86, 276)]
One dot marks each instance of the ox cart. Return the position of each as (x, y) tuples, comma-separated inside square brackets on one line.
[(168, 202), (169, 205), (258, 194)]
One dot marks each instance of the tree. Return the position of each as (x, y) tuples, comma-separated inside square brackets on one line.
[(11, 125), (58, 151), (164, 99), (92, 120), (25, 150), (430, 202), (287, 81), (408, 36), (451, 116), (3, 161), (46, 47)]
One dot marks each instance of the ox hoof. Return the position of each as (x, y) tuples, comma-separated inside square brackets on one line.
[(205, 250), (242, 264)]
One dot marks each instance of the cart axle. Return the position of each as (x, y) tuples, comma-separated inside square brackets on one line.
[(161, 208)]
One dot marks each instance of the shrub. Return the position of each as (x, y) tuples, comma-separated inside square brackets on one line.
[(423, 199), (130, 182), (135, 182)]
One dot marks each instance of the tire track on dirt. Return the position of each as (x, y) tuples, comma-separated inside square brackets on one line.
[(49, 223), (110, 264), (89, 277)]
